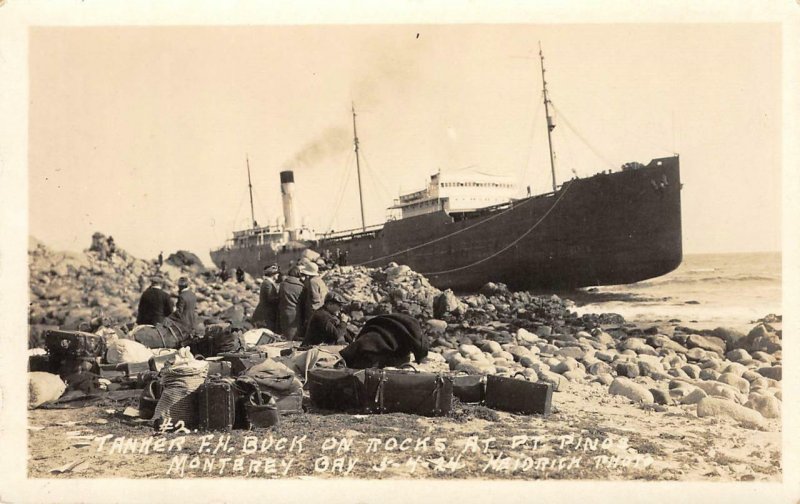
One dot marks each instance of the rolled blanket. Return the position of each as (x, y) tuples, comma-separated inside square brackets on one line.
[(386, 340)]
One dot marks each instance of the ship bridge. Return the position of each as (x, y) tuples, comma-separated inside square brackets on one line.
[(457, 191)]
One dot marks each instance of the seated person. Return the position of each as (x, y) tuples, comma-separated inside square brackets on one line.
[(386, 340), (325, 326)]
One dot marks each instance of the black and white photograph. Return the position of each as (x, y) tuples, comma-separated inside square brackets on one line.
[(414, 247)]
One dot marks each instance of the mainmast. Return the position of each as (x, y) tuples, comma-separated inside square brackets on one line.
[(358, 168), (250, 186), (550, 124)]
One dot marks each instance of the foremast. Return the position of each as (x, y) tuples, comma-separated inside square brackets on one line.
[(550, 124)]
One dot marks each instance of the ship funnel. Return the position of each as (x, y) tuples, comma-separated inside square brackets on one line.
[(287, 195)]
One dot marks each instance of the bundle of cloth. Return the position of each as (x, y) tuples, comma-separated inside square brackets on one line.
[(179, 381), (385, 341)]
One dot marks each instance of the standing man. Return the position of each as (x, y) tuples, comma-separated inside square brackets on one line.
[(314, 292), (326, 327), (160, 259), (155, 304), (266, 313), (289, 303), (239, 274), (184, 314), (112, 247)]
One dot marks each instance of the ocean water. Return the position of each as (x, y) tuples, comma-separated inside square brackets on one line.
[(706, 291)]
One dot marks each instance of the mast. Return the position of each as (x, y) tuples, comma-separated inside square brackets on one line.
[(250, 186), (550, 124), (358, 168)]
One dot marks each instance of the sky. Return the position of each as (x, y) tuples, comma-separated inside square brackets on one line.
[(144, 132)]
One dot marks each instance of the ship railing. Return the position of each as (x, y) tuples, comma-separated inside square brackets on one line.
[(354, 233)]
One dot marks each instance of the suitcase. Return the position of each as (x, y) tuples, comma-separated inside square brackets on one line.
[(217, 405), (469, 388), (74, 344), (290, 404), (41, 363), (123, 370), (427, 394), (337, 389), (220, 367), (242, 361), (518, 396), (156, 362)]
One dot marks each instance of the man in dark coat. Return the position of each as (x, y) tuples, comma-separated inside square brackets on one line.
[(386, 340), (266, 313), (184, 314), (313, 295), (288, 303), (155, 304), (325, 326)]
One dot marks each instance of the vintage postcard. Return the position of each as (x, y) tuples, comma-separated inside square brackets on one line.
[(346, 252)]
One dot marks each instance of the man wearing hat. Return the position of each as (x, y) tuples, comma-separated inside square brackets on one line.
[(155, 304), (266, 313), (313, 295), (289, 302), (184, 314), (325, 326)]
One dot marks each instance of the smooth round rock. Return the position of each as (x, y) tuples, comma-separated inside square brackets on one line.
[(571, 351), (694, 396), (691, 370), (627, 369), (576, 375), (661, 396), (769, 406), (492, 347), (630, 389), (568, 364), (737, 355), (735, 381), (772, 372), (709, 374), (599, 368), (556, 380), (715, 407)]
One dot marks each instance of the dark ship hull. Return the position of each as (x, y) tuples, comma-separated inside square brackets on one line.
[(608, 229)]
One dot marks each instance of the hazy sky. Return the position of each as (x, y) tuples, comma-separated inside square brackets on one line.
[(142, 133)]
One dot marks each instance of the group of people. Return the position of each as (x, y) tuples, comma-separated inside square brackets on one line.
[(299, 306), (155, 305)]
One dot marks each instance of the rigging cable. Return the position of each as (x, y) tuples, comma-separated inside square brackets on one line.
[(457, 232), (597, 153), (514, 242), (342, 189)]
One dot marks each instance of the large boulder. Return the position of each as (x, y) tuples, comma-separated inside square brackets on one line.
[(769, 406), (760, 338), (185, 258), (715, 407), (710, 343), (630, 389)]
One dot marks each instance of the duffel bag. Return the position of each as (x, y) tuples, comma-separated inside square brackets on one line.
[(337, 389), (261, 411), (75, 344), (166, 335), (398, 391), (518, 396)]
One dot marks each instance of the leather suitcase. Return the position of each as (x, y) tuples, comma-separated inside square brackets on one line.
[(337, 389), (426, 394), (41, 363), (220, 367), (74, 344), (217, 405), (469, 388), (518, 396), (242, 361)]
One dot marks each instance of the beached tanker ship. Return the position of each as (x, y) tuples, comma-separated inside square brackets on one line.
[(465, 230)]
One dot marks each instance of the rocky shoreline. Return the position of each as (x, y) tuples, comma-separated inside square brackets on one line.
[(720, 373)]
